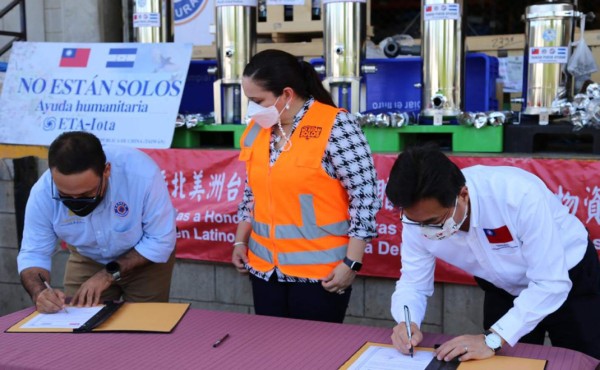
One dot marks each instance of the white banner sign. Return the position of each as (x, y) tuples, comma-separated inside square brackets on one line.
[(549, 54), (125, 94), (193, 20), (436, 12)]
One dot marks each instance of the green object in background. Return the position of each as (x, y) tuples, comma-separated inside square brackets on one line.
[(463, 138), (381, 139), (225, 136)]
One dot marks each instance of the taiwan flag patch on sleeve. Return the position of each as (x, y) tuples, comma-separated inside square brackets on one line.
[(499, 235)]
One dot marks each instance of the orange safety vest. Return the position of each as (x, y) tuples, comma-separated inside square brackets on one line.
[(300, 218)]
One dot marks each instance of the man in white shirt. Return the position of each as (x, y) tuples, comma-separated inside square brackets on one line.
[(503, 225), (111, 206)]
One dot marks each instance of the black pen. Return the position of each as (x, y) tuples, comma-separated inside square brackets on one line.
[(408, 331), (49, 287), (218, 342)]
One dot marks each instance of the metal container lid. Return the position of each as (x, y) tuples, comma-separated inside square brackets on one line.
[(551, 9)]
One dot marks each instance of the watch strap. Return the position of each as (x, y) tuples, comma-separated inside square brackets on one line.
[(354, 265)]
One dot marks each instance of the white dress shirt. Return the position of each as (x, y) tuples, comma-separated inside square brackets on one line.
[(136, 212), (545, 241)]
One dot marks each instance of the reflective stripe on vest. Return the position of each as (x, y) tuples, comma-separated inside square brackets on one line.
[(309, 258), (310, 230), (260, 228), (298, 258), (251, 136), (260, 250)]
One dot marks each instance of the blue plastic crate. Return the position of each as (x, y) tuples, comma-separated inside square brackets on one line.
[(393, 85), (481, 74), (197, 94)]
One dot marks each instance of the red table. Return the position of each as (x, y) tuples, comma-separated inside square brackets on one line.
[(255, 342)]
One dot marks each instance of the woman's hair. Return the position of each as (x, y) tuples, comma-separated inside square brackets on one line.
[(274, 70)]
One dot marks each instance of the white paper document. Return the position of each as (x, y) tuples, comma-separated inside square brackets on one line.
[(75, 317), (383, 358)]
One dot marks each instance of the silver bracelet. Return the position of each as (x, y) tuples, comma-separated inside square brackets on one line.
[(240, 243)]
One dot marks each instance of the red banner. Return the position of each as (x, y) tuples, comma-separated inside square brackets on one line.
[(207, 185)]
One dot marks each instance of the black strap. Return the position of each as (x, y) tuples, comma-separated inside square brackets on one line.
[(101, 316), (436, 364)]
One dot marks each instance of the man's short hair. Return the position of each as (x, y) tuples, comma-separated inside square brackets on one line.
[(424, 172), (76, 152)]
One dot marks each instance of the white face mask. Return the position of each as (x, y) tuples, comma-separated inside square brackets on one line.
[(449, 227), (266, 117)]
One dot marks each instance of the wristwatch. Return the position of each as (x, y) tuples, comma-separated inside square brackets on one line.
[(114, 269), (354, 265), (493, 340)]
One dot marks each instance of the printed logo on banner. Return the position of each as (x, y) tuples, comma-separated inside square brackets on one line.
[(187, 10), (499, 235), (121, 58), (310, 132), (74, 57), (121, 209)]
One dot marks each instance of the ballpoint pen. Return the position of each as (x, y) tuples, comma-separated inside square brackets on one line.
[(408, 332), (218, 342), (49, 287)]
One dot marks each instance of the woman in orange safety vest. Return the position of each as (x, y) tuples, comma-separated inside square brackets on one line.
[(310, 196)]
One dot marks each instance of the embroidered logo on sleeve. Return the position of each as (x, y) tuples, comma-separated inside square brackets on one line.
[(310, 132), (121, 209)]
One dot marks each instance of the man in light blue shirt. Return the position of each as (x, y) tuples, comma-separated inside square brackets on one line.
[(111, 206)]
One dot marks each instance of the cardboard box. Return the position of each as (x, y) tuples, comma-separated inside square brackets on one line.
[(301, 23)]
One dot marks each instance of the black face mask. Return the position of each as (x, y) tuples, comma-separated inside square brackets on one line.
[(82, 208)]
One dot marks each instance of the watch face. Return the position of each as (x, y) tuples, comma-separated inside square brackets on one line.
[(493, 341), (112, 267)]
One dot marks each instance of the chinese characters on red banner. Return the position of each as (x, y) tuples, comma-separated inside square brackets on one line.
[(207, 185)]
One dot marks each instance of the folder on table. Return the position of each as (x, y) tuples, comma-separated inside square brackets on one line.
[(361, 358), (112, 317)]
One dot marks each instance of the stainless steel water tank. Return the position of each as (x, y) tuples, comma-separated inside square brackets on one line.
[(442, 49), (548, 36)]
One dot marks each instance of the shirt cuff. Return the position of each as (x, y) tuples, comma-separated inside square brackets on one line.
[(507, 330), (25, 261)]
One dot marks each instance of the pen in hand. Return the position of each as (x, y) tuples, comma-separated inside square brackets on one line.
[(408, 331), (218, 342), (49, 287)]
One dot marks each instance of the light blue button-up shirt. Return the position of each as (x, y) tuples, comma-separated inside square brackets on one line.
[(136, 212)]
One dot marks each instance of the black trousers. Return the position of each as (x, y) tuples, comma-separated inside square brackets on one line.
[(307, 301), (575, 325)]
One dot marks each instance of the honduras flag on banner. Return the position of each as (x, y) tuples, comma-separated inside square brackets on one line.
[(121, 57)]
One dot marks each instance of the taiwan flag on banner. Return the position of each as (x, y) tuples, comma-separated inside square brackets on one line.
[(72, 57), (499, 235)]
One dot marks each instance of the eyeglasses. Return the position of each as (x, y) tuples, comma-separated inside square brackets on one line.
[(57, 196), (405, 220)]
